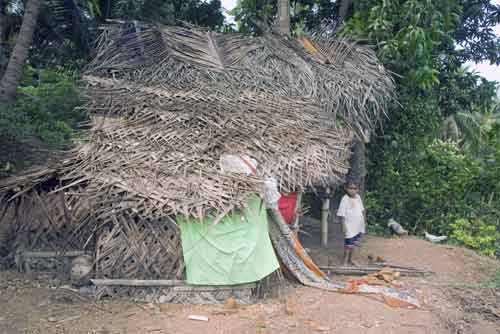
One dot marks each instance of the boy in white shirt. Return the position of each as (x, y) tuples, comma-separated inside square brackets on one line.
[(352, 216)]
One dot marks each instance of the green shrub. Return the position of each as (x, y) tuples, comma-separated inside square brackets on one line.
[(45, 109), (425, 191), (442, 189), (478, 234)]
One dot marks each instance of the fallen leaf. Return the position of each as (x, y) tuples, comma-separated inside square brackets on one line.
[(316, 326), (321, 328), (171, 307), (224, 312), (231, 303)]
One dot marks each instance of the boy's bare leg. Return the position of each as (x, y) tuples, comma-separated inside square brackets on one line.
[(347, 256), (349, 260)]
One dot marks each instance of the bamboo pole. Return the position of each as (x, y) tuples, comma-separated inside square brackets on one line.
[(178, 285), (325, 209), (365, 270), (298, 207)]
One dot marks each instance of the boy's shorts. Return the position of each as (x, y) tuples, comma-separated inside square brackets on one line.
[(349, 242)]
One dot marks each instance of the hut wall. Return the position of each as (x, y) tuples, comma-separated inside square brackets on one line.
[(133, 248), (51, 222), (38, 229)]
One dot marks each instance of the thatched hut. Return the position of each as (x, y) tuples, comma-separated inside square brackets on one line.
[(166, 103)]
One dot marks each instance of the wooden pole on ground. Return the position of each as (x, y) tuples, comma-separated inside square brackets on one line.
[(325, 210)]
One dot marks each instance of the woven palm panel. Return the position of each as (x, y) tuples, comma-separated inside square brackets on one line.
[(131, 248), (174, 296), (273, 286), (51, 222), (7, 215)]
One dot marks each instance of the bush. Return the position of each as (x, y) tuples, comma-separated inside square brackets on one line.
[(428, 191), (479, 234), (443, 190), (45, 110)]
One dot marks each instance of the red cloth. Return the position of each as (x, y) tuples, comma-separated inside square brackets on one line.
[(287, 204)]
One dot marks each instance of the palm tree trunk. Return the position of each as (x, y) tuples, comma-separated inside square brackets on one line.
[(342, 15), (284, 17), (2, 50), (13, 73)]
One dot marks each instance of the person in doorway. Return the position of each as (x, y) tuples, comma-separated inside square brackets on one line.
[(352, 217)]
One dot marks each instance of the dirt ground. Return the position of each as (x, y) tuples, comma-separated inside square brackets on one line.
[(28, 306)]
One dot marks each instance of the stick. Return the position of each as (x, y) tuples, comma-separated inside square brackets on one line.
[(54, 254), (371, 270), (137, 282), (179, 285)]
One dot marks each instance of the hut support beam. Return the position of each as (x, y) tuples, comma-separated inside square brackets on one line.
[(325, 210)]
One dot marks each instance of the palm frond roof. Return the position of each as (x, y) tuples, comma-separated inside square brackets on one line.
[(168, 102)]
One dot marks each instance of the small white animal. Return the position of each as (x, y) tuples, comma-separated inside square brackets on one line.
[(435, 238)]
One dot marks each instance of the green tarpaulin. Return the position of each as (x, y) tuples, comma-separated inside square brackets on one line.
[(236, 250)]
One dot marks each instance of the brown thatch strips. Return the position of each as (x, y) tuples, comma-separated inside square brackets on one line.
[(139, 249), (168, 102), (159, 154), (26, 181), (341, 76), (194, 46), (56, 222)]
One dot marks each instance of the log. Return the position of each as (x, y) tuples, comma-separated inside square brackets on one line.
[(137, 282), (54, 254), (200, 288), (178, 285), (365, 270)]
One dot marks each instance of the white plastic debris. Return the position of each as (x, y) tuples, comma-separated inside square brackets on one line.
[(198, 317), (271, 193), (232, 163)]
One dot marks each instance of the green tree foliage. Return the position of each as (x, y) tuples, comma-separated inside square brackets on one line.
[(204, 13), (44, 111), (46, 108), (442, 187), (250, 15), (475, 34)]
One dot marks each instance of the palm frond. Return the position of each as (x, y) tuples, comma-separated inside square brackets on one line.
[(168, 102), (347, 80)]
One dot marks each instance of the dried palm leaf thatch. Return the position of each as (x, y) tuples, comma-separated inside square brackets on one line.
[(26, 181), (55, 222), (157, 151), (168, 102), (136, 248), (341, 76)]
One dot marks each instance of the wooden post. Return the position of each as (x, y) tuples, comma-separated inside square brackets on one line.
[(298, 208), (284, 17), (325, 210)]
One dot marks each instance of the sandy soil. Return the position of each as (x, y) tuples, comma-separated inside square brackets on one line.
[(28, 306)]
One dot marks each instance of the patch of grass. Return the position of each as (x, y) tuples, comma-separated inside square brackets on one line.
[(492, 283)]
